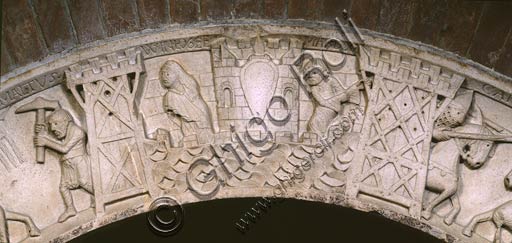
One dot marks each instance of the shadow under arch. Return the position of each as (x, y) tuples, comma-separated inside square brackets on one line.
[(323, 211), (290, 220)]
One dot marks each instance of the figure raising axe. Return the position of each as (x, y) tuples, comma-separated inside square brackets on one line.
[(40, 106)]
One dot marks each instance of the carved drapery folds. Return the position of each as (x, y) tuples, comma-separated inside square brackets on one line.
[(264, 112)]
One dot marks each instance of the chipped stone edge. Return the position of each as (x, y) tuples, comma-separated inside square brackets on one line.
[(300, 194)]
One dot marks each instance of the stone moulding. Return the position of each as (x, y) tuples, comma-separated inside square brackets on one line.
[(407, 130)]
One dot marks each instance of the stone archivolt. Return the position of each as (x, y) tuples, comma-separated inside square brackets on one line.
[(220, 115)]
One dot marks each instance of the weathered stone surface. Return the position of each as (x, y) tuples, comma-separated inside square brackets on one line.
[(399, 128), (87, 20), (55, 24)]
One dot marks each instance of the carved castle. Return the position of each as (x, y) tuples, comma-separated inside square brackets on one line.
[(246, 74)]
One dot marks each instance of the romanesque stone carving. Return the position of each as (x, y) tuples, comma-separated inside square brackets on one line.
[(184, 103), (6, 215), (501, 217), (235, 111), (328, 94), (60, 133), (107, 89), (443, 173), (40, 106), (70, 141), (10, 155)]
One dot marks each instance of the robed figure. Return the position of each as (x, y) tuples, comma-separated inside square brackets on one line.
[(183, 101)]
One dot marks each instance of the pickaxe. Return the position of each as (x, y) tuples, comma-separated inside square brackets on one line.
[(40, 106)]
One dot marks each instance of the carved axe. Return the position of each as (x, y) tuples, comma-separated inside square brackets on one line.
[(40, 106)]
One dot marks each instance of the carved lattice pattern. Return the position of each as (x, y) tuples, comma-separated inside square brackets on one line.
[(393, 165), (108, 98)]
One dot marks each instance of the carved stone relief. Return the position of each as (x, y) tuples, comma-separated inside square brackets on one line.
[(256, 111)]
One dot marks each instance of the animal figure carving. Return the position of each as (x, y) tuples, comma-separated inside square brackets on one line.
[(443, 174), (461, 137), (500, 216)]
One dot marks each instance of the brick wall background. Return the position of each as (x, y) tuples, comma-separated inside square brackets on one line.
[(34, 29)]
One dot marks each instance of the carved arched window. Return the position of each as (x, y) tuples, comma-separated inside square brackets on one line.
[(289, 97), (228, 97)]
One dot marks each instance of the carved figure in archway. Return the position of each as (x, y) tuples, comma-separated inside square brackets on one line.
[(183, 101), (68, 139), (328, 95), (453, 145)]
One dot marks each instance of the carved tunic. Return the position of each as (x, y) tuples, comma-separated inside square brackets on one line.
[(75, 163)]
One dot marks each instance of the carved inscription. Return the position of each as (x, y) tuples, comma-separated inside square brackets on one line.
[(27, 88), (490, 91), (176, 46)]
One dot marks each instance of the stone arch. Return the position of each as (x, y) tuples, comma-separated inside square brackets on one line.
[(227, 95), (290, 95), (428, 78)]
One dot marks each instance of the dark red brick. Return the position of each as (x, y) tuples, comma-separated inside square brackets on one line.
[(428, 20), (456, 30), (248, 9), (153, 13), (491, 34), (87, 20), (216, 9), (55, 24), (365, 13), (334, 8), (274, 9), (6, 63), (184, 11), (21, 32), (395, 16), (120, 16), (304, 9), (504, 63)]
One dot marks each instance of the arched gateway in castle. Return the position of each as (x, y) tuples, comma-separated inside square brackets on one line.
[(337, 115)]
